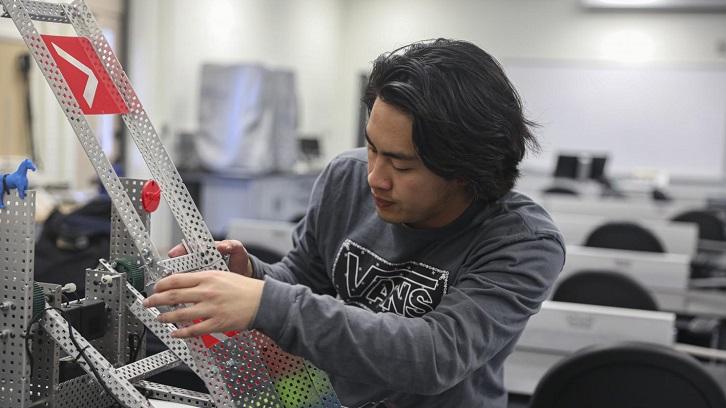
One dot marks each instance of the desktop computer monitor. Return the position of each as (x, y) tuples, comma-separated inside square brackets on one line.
[(567, 167), (597, 167), (580, 166)]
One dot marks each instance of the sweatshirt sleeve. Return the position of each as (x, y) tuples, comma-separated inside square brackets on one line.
[(303, 264), (482, 313)]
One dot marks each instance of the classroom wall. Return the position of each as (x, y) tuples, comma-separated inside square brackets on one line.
[(539, 32), (330, 42)]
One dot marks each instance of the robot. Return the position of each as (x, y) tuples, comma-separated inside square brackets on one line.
[(41, 330)]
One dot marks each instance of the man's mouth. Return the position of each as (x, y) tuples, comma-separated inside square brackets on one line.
[(381, 203)]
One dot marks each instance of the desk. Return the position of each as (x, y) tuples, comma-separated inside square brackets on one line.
[(691, 302), (619, 208), (222, 197), (652, 270)]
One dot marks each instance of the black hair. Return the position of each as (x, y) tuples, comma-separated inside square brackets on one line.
[(468, 121)]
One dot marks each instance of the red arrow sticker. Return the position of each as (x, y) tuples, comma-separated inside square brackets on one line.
[(212, 339), (90, 84)]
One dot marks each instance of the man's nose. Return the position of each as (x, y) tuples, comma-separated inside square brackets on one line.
[(378, 176)]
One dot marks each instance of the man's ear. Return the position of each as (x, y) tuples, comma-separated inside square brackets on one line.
[(467, 185)]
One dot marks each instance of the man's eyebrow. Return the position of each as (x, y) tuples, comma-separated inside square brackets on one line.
[(393, 155)]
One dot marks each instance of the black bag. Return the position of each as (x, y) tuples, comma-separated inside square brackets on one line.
[(71, 243)]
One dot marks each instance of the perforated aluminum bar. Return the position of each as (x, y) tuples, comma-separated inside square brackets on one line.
[(17, 229), (186, 263), (57, 328), (174, 394), (149, 366), (42, 11), (45, 353)]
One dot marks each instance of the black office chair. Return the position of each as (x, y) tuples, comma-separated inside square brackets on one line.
[(561, 190), (710, 226), (660, 195), (604, 288), (628, 375), (624, 235)]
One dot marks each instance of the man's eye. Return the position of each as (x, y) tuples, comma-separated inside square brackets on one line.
[(401, 169)]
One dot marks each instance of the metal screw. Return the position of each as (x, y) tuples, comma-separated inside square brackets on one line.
[(5, 306)]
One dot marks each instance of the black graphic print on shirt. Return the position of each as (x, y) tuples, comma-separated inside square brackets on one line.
[(364, 279)]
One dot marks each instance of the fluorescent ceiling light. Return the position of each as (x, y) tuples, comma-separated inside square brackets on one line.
[(658, 4)]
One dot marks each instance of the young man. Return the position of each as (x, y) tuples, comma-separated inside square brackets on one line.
[(416, 267)]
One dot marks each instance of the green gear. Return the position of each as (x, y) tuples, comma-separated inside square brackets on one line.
[(134, 273), (38, 300)]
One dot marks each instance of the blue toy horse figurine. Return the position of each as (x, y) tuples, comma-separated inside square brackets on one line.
[(17, 180)]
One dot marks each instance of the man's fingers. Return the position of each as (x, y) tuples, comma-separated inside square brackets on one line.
[(185, 314), (178, 250), (175, 297), (179, 281), (197, 329), (223, 247), (229, 246)]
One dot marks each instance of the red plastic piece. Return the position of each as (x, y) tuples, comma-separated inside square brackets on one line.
[(150, 196)]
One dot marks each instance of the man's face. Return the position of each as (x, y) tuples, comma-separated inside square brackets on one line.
[(403, 189)]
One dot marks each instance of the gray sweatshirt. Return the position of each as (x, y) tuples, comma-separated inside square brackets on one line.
[(420, 318)]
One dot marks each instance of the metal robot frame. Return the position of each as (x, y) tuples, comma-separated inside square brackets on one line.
[(246, 369)]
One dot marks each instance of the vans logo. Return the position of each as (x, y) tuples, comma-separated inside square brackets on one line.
[(364, 279)]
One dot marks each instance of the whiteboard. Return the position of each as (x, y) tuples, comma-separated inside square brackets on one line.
[(670, 118)]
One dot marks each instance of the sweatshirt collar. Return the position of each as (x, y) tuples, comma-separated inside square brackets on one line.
[(475, 208)]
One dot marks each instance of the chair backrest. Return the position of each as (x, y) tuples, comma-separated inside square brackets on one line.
[(561, 190), (624, 235), (710, 226), (604, 288), (628, 375)]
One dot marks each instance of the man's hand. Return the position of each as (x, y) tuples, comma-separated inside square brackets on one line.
[(239, 261), (225, 301)]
